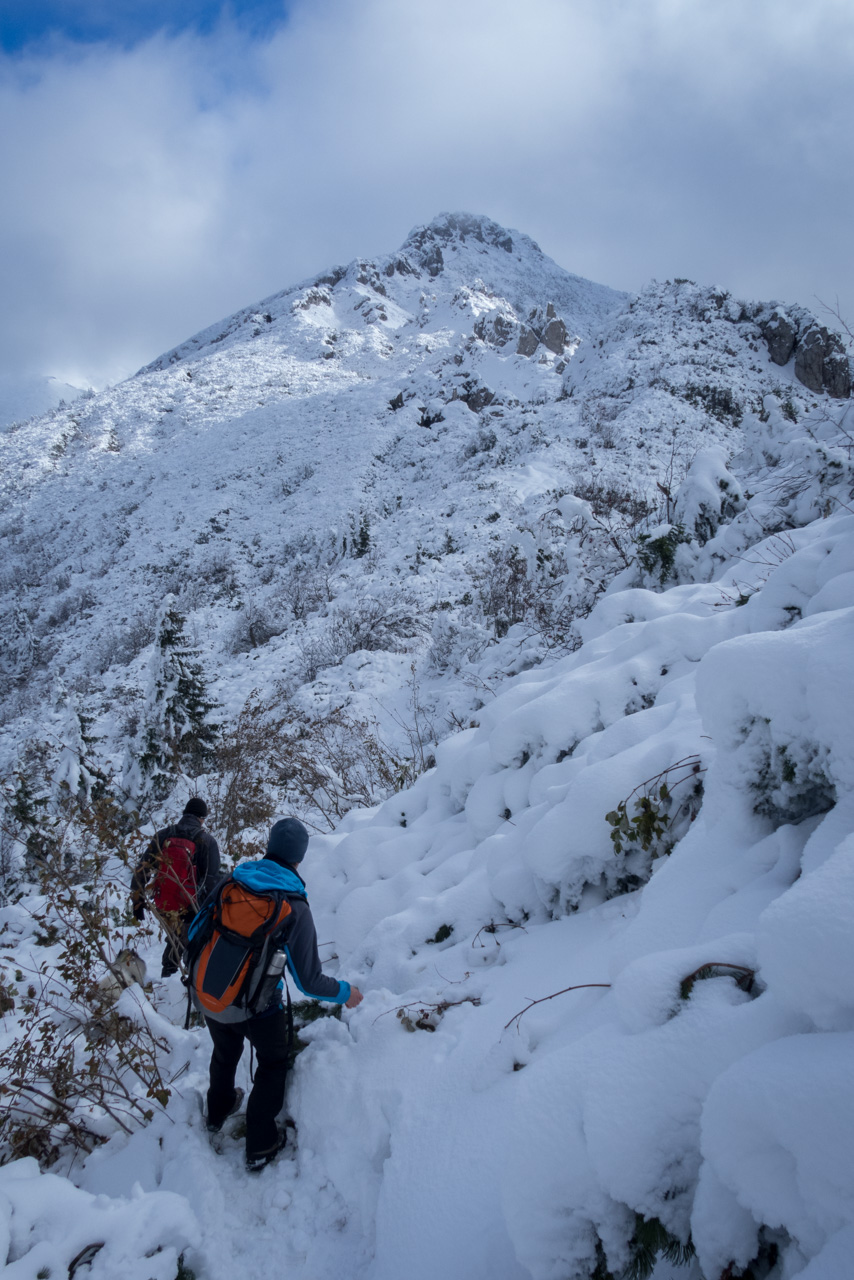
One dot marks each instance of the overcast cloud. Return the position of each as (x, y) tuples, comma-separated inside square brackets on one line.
[(151, 190)]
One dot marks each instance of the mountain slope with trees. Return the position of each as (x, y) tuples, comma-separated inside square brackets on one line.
[(534, 599)]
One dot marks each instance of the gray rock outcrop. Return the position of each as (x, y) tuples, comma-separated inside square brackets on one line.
[(547, 329), (496, 328), (554, 336), (836, 369), (821, 361), (528, 342), (809, 357), (779, 333)]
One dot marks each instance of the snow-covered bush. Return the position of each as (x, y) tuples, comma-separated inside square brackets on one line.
[(657, 551), (120, 646), (254, 625), (709, 496), (49, 1227), (455, 642)]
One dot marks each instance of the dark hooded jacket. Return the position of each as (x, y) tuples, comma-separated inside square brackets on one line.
[(299, 937), (205, 860)]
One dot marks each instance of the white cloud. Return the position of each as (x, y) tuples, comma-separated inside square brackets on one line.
[(151, 191)]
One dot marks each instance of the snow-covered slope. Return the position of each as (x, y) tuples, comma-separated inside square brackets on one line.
[(24, 396), (416, 431), (270, 440), (642, 818)]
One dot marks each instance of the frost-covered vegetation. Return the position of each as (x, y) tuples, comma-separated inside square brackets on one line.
[(537, 602)]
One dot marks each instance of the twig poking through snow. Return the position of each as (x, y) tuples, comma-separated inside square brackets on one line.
[(578, 987)]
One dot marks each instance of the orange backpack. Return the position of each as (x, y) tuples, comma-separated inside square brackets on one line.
[(233, 963)]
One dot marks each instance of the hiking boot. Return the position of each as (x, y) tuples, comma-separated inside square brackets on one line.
[(255, 1164), (235, 1106)]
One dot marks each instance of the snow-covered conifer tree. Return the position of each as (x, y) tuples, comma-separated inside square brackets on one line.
[(175, 734), (71, 777)]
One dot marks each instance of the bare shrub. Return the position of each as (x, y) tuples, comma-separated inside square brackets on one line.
[(241, 786), (252, 628), (373, 624), (483, 441), (304, 589), (215, 572), (119, 647), (505, 588), (606, 498), (317, 763), (74, 1066), (455, 643), (420, 733), (11, 863), (332, 762)]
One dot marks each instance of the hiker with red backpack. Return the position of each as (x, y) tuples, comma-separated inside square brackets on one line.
[(177, 872), (257, 922)]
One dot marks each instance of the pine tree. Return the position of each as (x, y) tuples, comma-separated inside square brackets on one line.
[(176, 735), (73, 778)]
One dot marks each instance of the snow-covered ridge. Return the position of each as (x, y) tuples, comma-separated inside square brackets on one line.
[(24, 396)]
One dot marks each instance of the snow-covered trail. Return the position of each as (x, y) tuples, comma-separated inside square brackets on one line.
[(404, 1160)]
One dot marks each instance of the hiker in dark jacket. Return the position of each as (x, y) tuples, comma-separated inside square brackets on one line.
[(267, 1032), (190, 826)]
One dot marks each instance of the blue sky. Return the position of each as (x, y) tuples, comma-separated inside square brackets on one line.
[(158, 177), (26, 23)]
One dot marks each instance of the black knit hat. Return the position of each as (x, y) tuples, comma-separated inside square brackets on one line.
[(288, 841), (197, 807)]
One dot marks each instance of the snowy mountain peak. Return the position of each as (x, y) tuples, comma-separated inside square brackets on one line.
[(457, 266), (451, 231)]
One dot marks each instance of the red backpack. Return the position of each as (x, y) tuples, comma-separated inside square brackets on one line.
[(174, 884)]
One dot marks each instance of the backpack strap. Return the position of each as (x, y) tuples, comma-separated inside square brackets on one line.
[(290, 1021), (186, 981)]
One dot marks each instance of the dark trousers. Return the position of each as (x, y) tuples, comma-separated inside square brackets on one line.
[(176, 926), (268, 1035)]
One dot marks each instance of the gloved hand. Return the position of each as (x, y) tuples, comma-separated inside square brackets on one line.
[(138, 909)]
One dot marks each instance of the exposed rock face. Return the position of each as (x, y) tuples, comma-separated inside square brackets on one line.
[(821, 362), (433, 261), (554, 336), (809, 357), (836, 369), (528, 342), (424, 244), (547, 329), (477, 397), (496, 329), (402, 266), (780, 334)]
